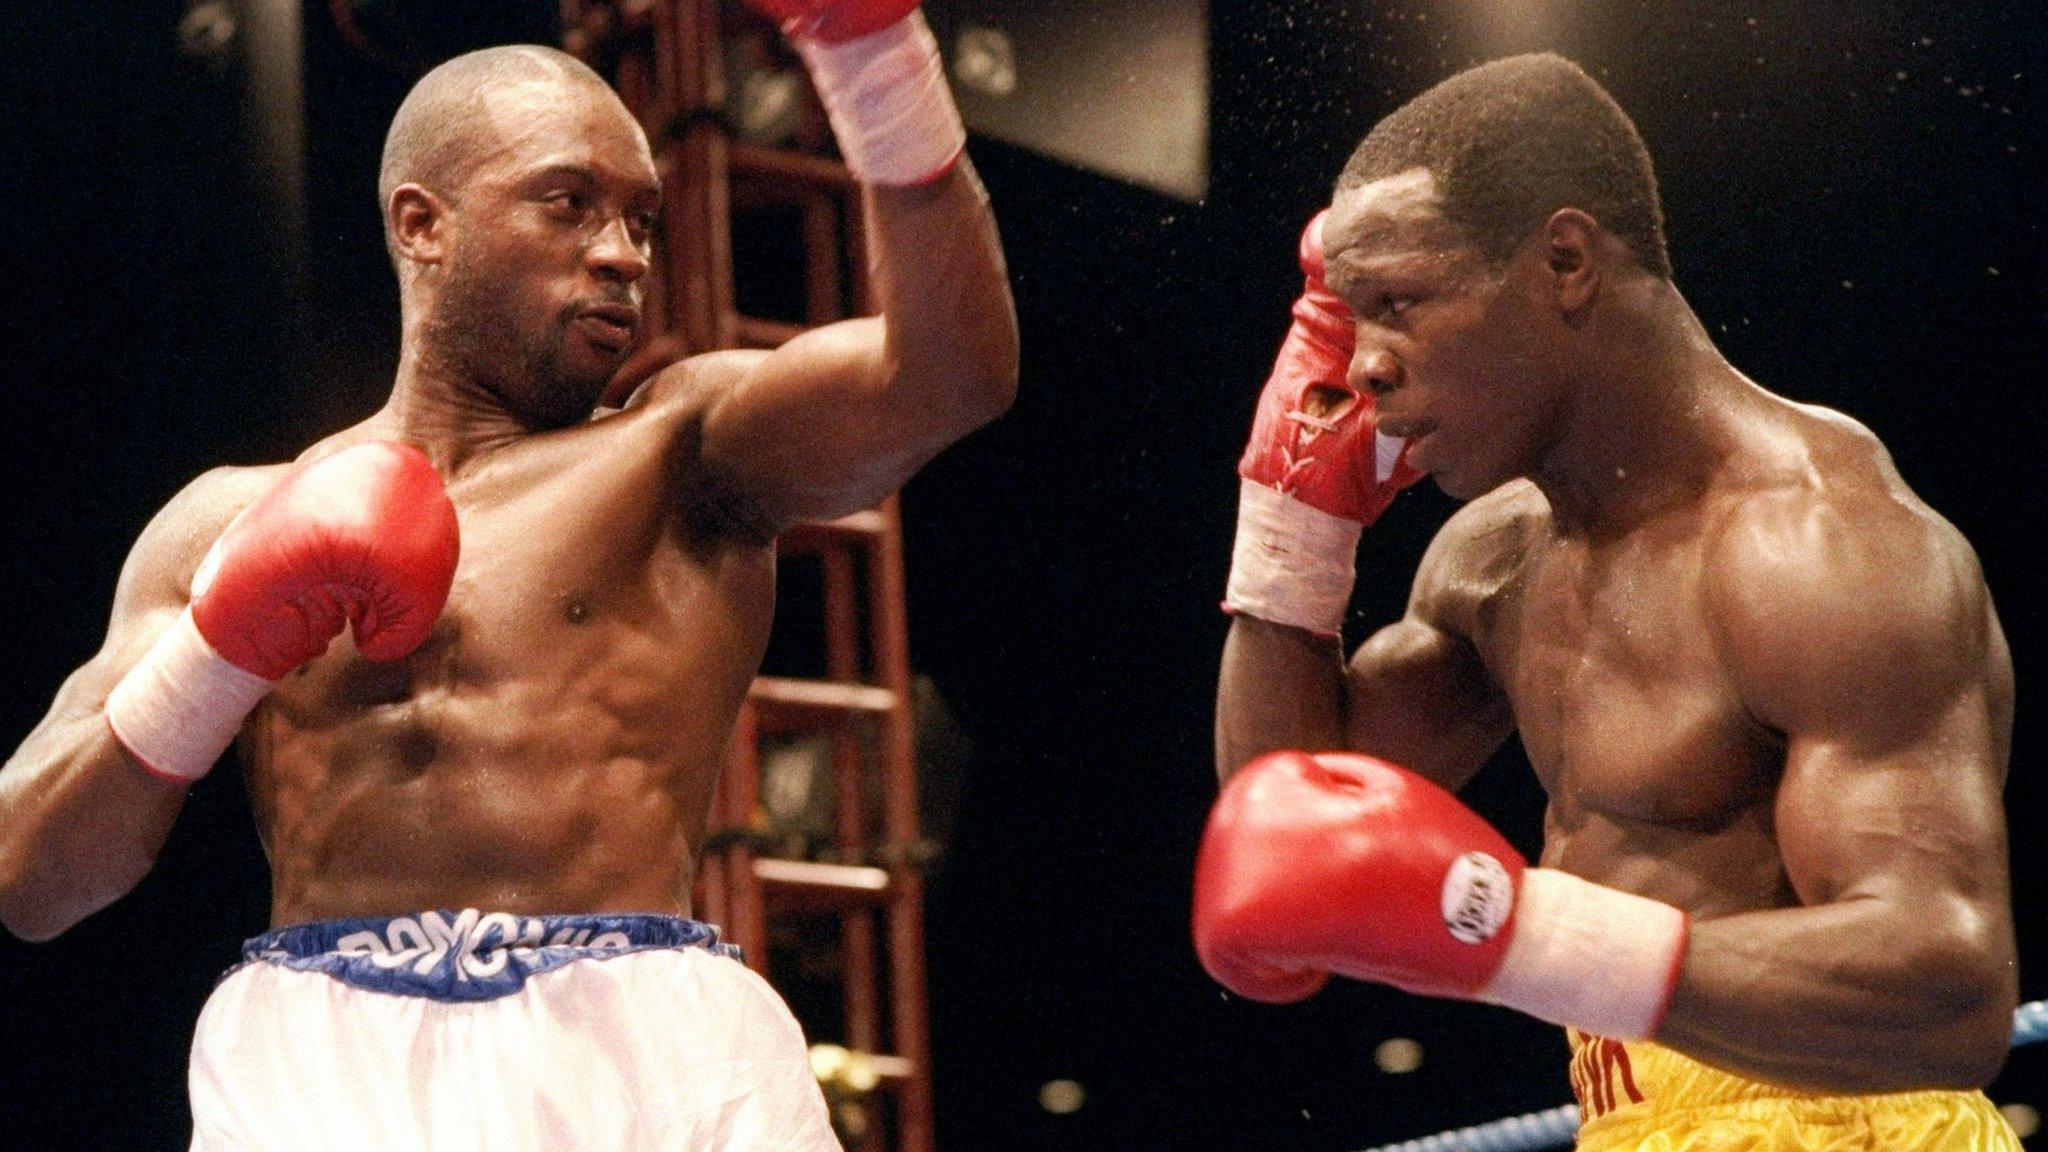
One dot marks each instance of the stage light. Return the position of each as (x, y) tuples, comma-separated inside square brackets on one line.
[(1118, 87), (1062, 1097), (1398, 1055)]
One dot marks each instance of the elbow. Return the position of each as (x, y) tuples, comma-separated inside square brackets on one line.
[(29, 928), (981, 399), (997, 381), (34, 910), (1003, 390), (1970, 1051), (25, 917), (996, 397), (1980, 1039), (1969, 979), (996, 360), (966, 368)]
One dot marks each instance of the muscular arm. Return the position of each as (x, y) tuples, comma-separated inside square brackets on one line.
[(1865, 635), (80, 823), (1415, 692), (840, 417)]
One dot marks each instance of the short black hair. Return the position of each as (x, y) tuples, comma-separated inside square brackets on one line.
[(1511, 142)]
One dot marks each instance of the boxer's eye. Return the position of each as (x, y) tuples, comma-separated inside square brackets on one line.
[(567, 205), (1391, 307)]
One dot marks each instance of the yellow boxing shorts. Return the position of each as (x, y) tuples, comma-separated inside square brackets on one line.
[(1644, 1098)]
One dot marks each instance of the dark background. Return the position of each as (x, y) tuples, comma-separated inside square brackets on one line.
[(1852, 192)]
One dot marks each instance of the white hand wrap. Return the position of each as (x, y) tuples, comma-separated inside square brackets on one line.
[(886, 96), (1590, 957), (179, 708), (1292, 564)]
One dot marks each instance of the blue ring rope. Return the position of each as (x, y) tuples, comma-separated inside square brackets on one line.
[(1558, 1127)]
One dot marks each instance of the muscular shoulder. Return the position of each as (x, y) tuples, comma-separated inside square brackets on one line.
[(1833, 585), (160, 565), (1476, 554), (691, 386), (179, 534)]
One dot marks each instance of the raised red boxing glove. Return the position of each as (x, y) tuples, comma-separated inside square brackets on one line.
[(1341, 863), (832, 21), (1313, 438), (365, 536), (1315, 472)]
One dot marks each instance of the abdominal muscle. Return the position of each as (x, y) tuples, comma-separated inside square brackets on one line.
[(581, 786)]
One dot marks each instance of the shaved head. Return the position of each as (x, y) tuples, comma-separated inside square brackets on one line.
[(441, 131), (519, 209)]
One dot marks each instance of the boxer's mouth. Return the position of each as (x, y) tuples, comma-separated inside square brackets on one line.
[(610, 325), (1411, 429)]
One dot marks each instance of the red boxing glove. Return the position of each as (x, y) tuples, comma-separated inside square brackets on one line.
[(1319, 450), (832, 21), (1315, 472), (1341, 863), (366, 535)]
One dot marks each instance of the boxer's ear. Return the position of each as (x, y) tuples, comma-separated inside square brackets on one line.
[(418, 222), (1571, 241)]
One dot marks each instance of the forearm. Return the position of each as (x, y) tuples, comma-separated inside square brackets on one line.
[(1858, 996), (80, 825), (1280, 687), (950, 325)]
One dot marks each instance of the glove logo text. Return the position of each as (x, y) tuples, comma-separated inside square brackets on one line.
[(1478, 894)]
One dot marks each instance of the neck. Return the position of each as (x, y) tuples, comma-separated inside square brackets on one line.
[(1649, 422), (443, 410)]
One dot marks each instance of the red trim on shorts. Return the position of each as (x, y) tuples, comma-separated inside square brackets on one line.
[(1628, 1076)]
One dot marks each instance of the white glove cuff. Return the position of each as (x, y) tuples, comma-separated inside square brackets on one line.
[(1590, 957), (180, 708), (886, 96), (1292, 564)]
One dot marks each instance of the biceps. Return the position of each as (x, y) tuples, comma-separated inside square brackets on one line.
[(1912, 821), (815, 429), (1422, 698)]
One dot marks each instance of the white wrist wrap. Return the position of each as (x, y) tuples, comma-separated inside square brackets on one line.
[(179, 709), (1590, 957), (886, 96), (1292, 564)]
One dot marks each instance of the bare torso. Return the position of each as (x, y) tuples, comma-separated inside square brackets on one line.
[(1621, 672), (553, 745)]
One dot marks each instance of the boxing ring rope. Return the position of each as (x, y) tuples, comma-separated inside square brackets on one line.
[(1558, 1127)]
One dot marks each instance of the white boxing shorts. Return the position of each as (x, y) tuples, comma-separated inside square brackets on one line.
[(500, 1033)]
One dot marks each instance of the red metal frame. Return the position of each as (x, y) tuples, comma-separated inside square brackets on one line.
[(668, 70)]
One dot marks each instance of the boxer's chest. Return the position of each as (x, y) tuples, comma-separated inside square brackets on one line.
[(1620, 691), (575, 578)]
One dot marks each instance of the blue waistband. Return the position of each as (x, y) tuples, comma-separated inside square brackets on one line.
[(467, 955)]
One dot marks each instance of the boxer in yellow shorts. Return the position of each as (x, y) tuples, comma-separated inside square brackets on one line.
[(1643, 1097), (1761, 682)]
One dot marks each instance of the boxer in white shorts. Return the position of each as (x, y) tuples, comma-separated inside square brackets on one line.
[(485, 649), (455, 1030)]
